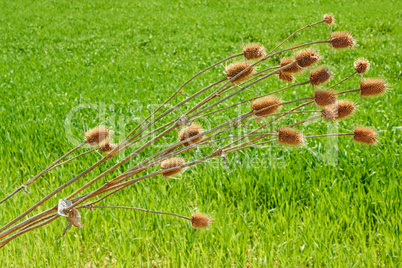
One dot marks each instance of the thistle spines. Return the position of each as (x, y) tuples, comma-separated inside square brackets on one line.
[(342, 40), (96, 135), (364, 135), (253, 51), (238, 68)]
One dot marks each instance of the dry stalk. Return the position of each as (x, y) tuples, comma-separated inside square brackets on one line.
[(121, 181)]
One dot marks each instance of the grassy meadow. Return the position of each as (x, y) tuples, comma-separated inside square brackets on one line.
[(67, 66)]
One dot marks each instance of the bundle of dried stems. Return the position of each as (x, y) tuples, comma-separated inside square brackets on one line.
[(170, 161)]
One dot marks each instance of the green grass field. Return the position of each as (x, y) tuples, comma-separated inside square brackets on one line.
[(66, 66)]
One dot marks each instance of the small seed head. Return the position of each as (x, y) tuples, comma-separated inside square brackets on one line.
[(96, 135), (338, 110), (320, 76), (106, 146), (372, 87), (364, 135), (200, 221), (329, 19), (324, 97), (290, 136), (306, 58), (295, 68), (253, 51), (236, 68), (287, 77), (188, 132), (342, 40), (265, 106), (171, 163), (362, 65)]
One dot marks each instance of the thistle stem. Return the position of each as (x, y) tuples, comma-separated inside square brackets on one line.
[(305, 27), (343, 80), (41, 173), (141, 209), (329, 135), (75, 157), (178, 91), (349, 91)]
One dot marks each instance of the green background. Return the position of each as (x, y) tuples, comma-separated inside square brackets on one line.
[(66, 66)]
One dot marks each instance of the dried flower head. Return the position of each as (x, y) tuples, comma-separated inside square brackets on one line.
[(364, 135), (295, 68), (171, 163), (188, 132), (338, 110), (200, 221), (96, 135), (329, 19), (287, 77), (265, 106), (324, 97), (307, 57), (362, 65), (290, 136), (342, 40), (372, 87), (236, 68), (106, 146), (253, 51), (320, 76)]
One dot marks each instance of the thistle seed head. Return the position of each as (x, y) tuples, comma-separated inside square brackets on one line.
[(171, 163), (290, 136), (306, 58), (287, 77), (200, 221), (329, 19), (253, 51), (236, 68), (364, 135), (362, 65), (338, 110), (342, 40), (295, 68), (265, 106), (324, 97), (188, 132), (372, 87), (320, 76), (106, 146), (96, 135)]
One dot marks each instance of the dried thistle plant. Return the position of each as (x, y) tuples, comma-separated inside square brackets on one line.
[(266, 110)]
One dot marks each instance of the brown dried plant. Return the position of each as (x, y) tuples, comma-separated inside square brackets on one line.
[(267, 110)]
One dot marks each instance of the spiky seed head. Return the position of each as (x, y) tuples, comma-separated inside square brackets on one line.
[(236, 68), (364, 135), (287, 77), (96, 135), (329, 19), (265, 106), (253, 51), (171, 163), (324, 97), (200, 221), (188, 132), (106, 146), (320, 76), (342, 40), (290, 136), (338, 110), (362, 65), (306, 58), (372, 87), (295, 68)]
